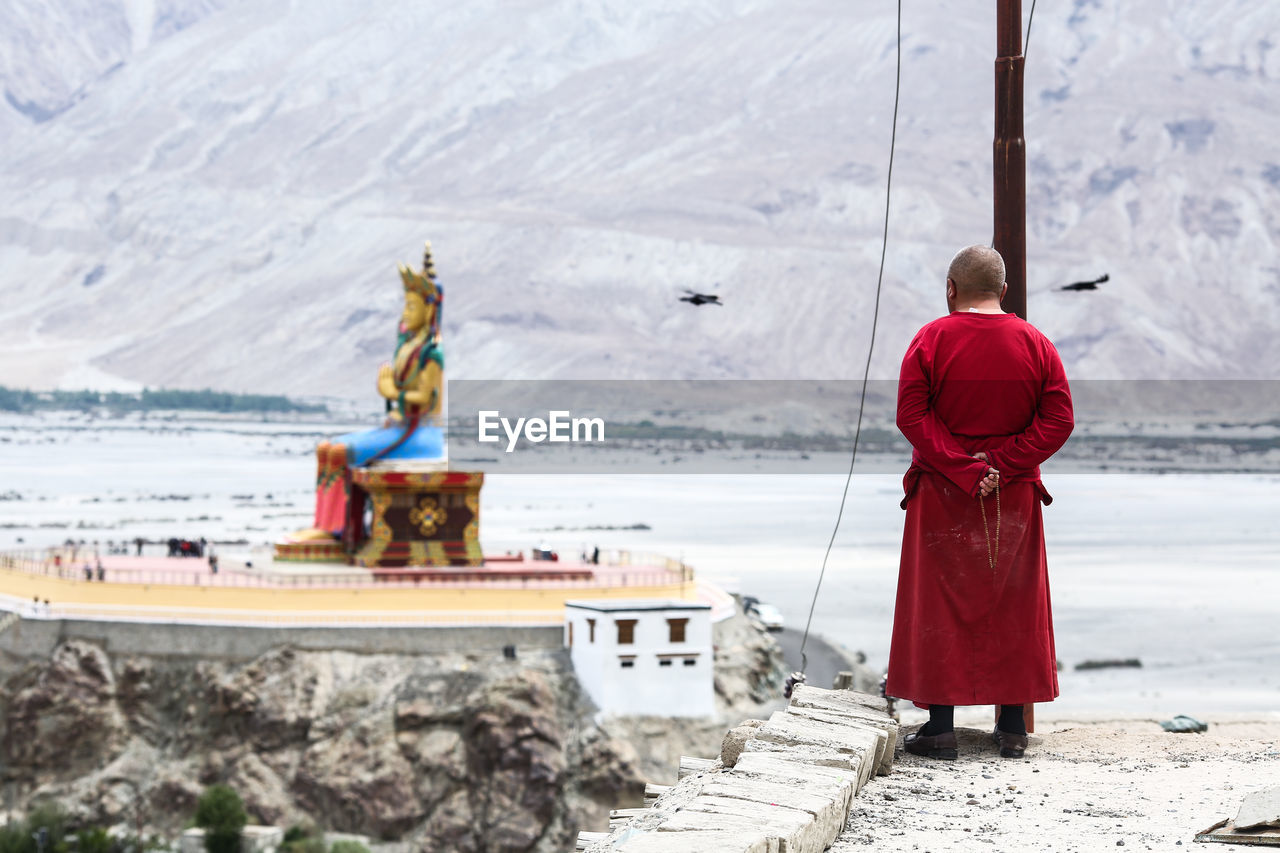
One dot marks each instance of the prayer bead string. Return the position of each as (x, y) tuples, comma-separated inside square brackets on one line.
[(993, 557)]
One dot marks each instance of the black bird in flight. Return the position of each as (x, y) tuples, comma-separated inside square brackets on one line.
[(700, 298), (1086, 285)]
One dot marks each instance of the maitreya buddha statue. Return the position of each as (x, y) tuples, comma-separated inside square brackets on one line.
[(412, 384)]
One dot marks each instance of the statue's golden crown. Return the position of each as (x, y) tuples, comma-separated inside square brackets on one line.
[(422, 283)]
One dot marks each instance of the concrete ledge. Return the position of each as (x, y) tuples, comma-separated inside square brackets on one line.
[(858, 742), (885, 727), (788, 790), (694, 842), (37, 638)]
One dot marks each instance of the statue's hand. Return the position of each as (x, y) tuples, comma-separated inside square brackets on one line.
[(432, 382), (387, 382)]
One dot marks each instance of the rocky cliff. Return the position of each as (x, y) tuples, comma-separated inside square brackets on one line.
[(457, 752)]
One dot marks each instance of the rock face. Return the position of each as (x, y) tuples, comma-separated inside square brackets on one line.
[(749, 666), (455, 752), (447, 752), (63, 717)]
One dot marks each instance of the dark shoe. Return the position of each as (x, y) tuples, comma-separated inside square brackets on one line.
[(942, 746), (1011, 746)]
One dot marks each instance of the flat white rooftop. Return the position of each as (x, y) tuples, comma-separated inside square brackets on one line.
[(614, 605)]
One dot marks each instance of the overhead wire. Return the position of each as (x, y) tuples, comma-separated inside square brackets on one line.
[(1026, 40), (875, 317)]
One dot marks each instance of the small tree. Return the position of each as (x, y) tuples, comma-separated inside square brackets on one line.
[(220, 813)]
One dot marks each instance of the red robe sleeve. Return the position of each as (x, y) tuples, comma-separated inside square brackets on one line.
[(934, 444), (1049, 428)]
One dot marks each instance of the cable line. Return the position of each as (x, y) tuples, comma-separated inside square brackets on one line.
[(866, 373), (875, 318), (1026, 40)]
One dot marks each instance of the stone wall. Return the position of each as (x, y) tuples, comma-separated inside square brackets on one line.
[(35, 639)]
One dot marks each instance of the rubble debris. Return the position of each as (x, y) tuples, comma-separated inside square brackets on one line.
[(1182, 723), (1261, 808), (1109, 663)]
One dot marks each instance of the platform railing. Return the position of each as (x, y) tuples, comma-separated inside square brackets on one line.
[(650, 570)]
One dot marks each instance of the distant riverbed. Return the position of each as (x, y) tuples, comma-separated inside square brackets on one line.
[(1179, 570)]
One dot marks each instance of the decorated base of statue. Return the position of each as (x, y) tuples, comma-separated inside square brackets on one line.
[(419, 518)]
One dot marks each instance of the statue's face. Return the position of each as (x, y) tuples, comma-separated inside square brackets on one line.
[(415, 312)]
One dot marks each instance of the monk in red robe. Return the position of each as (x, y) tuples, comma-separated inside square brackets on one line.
[(984, 401)]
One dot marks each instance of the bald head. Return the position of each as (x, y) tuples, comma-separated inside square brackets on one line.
[(977, 271)]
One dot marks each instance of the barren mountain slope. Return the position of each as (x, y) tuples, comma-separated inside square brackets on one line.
[(223, 202)]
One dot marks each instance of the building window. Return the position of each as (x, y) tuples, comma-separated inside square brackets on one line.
[(664, 661), (675, 628), (591, 630), (570, 635), (628, 663), (626, 632), (690, 661)]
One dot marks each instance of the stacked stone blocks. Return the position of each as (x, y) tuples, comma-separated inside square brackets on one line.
[(782, 785)]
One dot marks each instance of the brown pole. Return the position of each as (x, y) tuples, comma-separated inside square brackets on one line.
[(1010, 172), (1010, 156)]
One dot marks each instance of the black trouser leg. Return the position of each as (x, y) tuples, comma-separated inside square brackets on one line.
[(941, 720), (1011, 720)]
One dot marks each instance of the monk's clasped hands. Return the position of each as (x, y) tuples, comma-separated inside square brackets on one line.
[(992, 479)]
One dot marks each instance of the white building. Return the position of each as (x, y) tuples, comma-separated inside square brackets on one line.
[(643, 656)]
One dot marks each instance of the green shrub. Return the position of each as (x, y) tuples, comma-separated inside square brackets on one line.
[(297, 832), (348, 847), (15, 839), (303, 845), (303, 838), (220, 813), (94, 841)]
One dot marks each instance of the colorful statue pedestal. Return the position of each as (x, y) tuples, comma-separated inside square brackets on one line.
[(419, 518), (385, 497)]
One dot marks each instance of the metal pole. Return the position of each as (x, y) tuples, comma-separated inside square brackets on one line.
[(1010, 172), (1010, 156)]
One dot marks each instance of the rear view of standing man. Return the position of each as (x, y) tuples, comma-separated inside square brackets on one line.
[(983, 399)]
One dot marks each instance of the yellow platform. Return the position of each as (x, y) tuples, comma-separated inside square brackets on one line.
[(345, 599)]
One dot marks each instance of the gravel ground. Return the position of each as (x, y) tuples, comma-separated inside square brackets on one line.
[(1083, 786)]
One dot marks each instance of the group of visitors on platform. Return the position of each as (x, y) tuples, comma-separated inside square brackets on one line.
[(544, 552), (187, 547)]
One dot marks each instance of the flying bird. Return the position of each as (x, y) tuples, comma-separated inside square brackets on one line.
[(1086, 285), (701, 298)]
